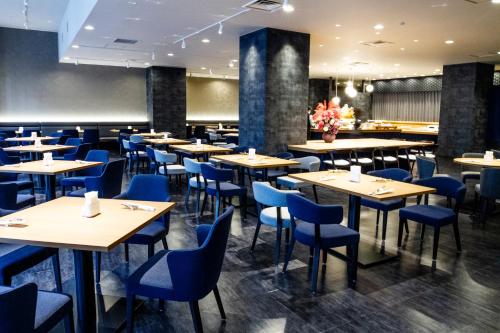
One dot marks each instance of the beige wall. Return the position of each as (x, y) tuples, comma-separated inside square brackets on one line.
[(212, 99)]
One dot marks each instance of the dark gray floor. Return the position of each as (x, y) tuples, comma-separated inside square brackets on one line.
[(404, 295)]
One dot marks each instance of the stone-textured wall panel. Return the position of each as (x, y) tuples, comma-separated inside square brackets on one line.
[(428, 83), (318, 91)]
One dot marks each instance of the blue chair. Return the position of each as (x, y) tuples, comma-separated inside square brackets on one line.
[(137, 155), (108, 184), (5, 158), (184, 275), (320, 229), (433, 215), (72, 133), (195, 181), (307, 164), (25, 309), (396, 174), (426, 166), (153, 165), (76, 142), (470, 173), (487, 191), (167, 165), (91, 136), (10, 199), (273, 174), (12, 178), (78, 178), (221, 187), (80, 153), (272, 210), (145, 188)]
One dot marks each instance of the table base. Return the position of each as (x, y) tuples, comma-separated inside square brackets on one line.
[(369, 254)]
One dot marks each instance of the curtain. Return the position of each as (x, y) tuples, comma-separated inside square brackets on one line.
[(408, 106)]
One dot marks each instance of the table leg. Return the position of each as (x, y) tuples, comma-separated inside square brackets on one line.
[(241, 176), (354, 211), (50, 188), (85, 299)]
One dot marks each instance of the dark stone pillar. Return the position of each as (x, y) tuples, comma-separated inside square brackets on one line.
[(274, 80), (166, 94), (319, 90), (464, 108), (363, 102)]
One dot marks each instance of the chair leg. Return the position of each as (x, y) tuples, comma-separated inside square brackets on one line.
[(407, 229), (277, 246), (219, 303), (257, 229), (325, 257), (130, 313), (164, 242), (436, 243), (384, 224), (126, 252), (57, 272), (69, 323), (195, 313), (352, 274), (243, 205), (315, 194), (314, 278), (188, 193), (204, 204), (288, 254), (97, 267), (197, 206), (400, 231), (217, 205), (378, 216), (422, 233), (457, 236), (151, 250)]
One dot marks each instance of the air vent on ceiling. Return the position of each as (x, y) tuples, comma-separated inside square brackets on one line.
[(377, 43), (125, 41), (486, 55), (358, 63), (477, 2), (266, 5)]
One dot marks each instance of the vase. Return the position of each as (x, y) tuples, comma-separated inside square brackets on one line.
[(328, 137)]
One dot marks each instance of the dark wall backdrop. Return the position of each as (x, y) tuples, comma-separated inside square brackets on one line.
[(35, 87)]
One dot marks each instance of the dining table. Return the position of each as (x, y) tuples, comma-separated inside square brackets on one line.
[(478, 162), (59, 224)]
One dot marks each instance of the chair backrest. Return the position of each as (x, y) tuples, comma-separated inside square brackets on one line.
[(18, 308), (109, 183), (72, 133), (151, 154), (232, 139), (91, 136), (309, 163), (284, 155), (490, 183), (62, 140), (267, 195), (229, 145), (126, 144), (445, 186), (8, 196), (213, 136), (126, 131), (4, 157), (219, 175), (82, 151), (425, 166), (195, 273), (192, 166), (496, 153), (240, 149), (473, 155), (165, 158), (307, 211), (392, 173), (95, 156), (135, 138), (148, 188), (71, 141)]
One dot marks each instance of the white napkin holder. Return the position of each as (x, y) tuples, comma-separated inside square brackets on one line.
[(38, 143), (165, 136), (78, 128), (198, 142), (47, 159), (251, 154), (129, 127), (220, 126), (20, 129), (34, 134), (355, 173), (91, 205), (152, 131), (488, 156)]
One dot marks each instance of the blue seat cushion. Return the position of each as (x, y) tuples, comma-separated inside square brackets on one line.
[(383, 205), (15, 259), (77, 193), (24, 200), (152, 279), (269, 216), (151, 233), (73, 181), (226, 189), (332, 235), (428, 214)]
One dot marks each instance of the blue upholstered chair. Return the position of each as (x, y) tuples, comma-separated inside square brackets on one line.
[(80, 153), (273, 211), (307, 164), (8, 159), (108, 184), (221, 187), (168, 166), (388, 205), (72, 133), (469, 172), (426, 166), (78, 178), (320, 229), (136, 138), (436, 216), (195, 180), (273, 174), (137, 155), (10, 199), (153, 165), (60, 155), (91, 136), (184, 275), (25, 309), (487, 191), (145, 188), (22, 184)]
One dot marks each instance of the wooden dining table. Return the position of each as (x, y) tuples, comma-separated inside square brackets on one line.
[(38, 149), (478, 162), (340, 181), (167, 141), (50, 171), (59, 224), (201, 150), (29, 139)]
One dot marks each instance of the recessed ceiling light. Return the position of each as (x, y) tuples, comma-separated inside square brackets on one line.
[(397, 65), (377, 33), (75, 46), (234, 60), (415, 40), (498, 52), (231, 64), (449, 41), (132, 3), (338, 25), (402, 49), (66, 58), (321, 45), (287, 7), (89, 27), (324, 64), (147, 64), (378, 26), (337, 37), (203, 68), (205, 40), (495, 1), (170, 54)]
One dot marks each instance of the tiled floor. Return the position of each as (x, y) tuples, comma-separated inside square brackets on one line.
[(404, 295)]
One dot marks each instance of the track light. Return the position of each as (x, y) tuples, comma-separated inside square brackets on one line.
[(183, 45), (128, 64), (221, 27), (153, 56), (287, 7), (76, 62)]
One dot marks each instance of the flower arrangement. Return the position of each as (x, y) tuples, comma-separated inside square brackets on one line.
[(326, 118)]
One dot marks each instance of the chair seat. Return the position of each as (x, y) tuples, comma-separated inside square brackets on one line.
[(226, 189), (332, 235), (194, 183), (214, 161), (410, 157), (428, 214), (292, 183), (73, 181), (80, 193), (24, 200), (465, 175), (386, 158), (362, 160), (337, 162), (269, 216), (151, 233), (174, 169), (383, 205)]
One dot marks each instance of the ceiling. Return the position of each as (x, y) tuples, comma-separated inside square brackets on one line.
[(415, 29)]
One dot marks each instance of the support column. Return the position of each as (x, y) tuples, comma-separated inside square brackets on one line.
[(166, 96), (319, 90), (464, 108), (274, 87)]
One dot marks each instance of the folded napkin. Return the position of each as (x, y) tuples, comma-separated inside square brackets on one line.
[(382, 190), (12, 223), (326, 178), (134, 206)]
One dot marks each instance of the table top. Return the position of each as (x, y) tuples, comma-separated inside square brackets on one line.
[(365, 188), (37, 167), (30, 139), (169, 141), (319, 146), (151, 135), (260, 161), (58, 223), (479, 162), (227, 130), (234, 135), (41, 149), (202, 149)]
